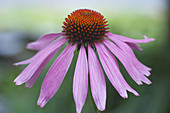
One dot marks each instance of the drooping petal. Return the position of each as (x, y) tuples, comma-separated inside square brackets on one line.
[(56, 75), (131, 65), (39, 60), (97, 80), (80, 82), (129, 52), (134, 46), (43, 41), (126, 39), (111, 68), (32, 80)]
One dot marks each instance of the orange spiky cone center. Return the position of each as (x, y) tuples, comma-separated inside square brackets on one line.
[(85, 26)]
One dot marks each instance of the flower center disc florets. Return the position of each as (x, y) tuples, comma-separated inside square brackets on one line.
[(85, 26)]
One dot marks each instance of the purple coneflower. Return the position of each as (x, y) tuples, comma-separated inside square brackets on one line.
[(86, 31)]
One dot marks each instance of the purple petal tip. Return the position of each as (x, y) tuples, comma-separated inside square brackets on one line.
[(40, 105), (17, 83), (139, 83), (42, 101), (102, 108), (145, 37), (149, 83), (30, 45), (137, 94), (14, 64), (28, 86), (124, 96), (150, 39)]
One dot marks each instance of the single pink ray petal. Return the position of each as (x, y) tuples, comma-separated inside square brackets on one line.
[(129, 52), (126, 39), (127, 62), (56, 75), (97, 80), (41, 57), (134, 46), (43, 41), (80, 82), (111, 68)]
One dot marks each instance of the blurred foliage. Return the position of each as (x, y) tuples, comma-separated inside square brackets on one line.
[(153, 98)]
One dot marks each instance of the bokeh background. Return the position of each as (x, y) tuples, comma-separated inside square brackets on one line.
[(25, 21)]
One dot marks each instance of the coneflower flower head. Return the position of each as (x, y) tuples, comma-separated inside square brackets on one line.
[(85, 30)]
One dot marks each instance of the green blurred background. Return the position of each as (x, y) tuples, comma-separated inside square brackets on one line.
[(25, 21)]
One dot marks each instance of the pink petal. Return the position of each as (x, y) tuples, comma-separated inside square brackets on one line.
[(80, 82), (40, 43), (128, 59), (134, 46), (56, 75), (41, 59), (28, 60), (32, 80), (111, 68), (97, 80), (25, 61), (126, 39), (43, 41), (129, 52)]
